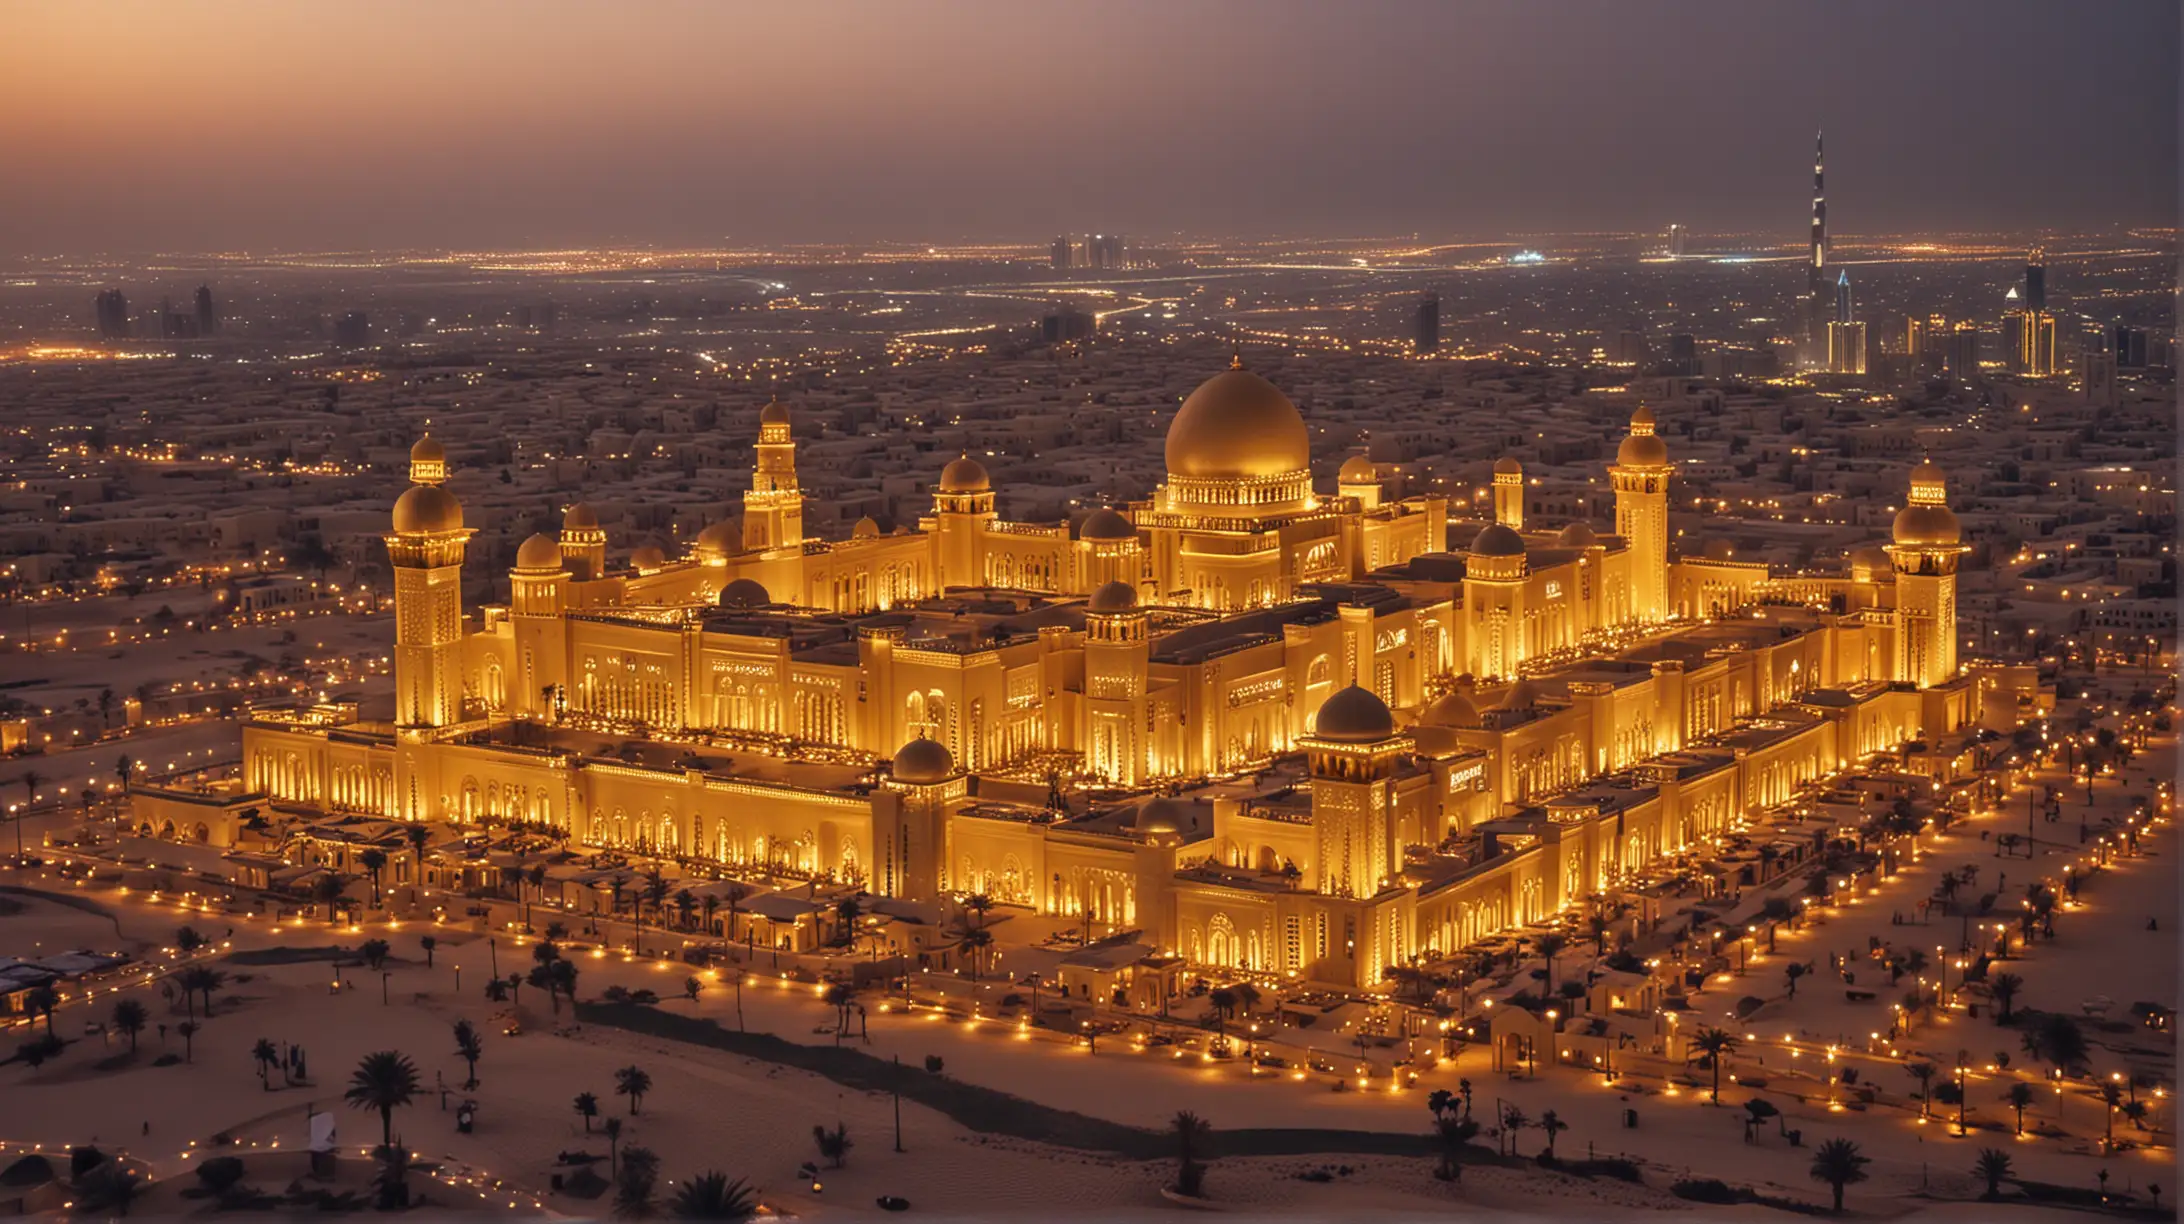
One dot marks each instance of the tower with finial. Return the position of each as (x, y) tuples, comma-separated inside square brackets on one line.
[(1117, 661), (1640, 474), (1926, 543), (773, 509), (426, 547)]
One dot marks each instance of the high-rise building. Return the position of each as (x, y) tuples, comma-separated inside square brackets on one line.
[(1842, 296), (1816, 271), (113, 315), (1683, 354), (1059, 257), (1846, 348), (2036, 281), (1934, 350), (1675, 242), (2097, 371), (173, 324), (1103, 251), (1914, 340), (353, 329), (2130, 347), (1629, 348), (2028, 337), (1426, 327), (208, 319), (1961, 360)]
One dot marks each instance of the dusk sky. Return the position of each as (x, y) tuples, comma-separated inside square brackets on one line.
[(130, 127)]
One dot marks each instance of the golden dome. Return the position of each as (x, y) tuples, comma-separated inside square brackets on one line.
[(1928, 527), (774, 413), (1354, 716), (428, 450), (1642, 448), (1495, 540), (647, 558), (1506, 466), (744, 593), (1577, 535), (720, 539), (579, 517), (1868, 563), (1162, 817), (964, 475), (1237, 426), (427, 508), (1357, 469), (1452, 710), (867, 528), (1521, 696), (1113, 597), (922, 762), (1106, 524), (539, 552)]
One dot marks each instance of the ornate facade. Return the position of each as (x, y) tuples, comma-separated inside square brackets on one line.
[(1302, 733)]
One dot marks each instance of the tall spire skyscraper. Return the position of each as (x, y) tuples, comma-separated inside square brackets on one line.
[(1816, 273)]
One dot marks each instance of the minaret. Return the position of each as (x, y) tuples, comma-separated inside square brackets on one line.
[(1353, 751), (1927, 543), (537, 599), (773, 511), (426, 547), (1117, 659), (1640, 473), (1816, 273), (963, 512), (1509, 493)]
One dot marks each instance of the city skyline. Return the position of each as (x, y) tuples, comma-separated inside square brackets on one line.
[(687, 124)]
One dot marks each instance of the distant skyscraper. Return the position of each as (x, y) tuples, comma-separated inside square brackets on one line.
[(1842, 296), (1426, 330), (2036, 280), (113, 315), (1629, 348), (1675, 241), (208, 319), (2130, 347), (1816, 271), (1962, 361), (1103, 251), (353, 329), (1846, 347), (174, 325), (1683, 354), (1914, 339), (2029, 337), (2097, 371), (1059, 257)]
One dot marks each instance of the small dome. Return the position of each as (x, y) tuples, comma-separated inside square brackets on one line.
[(1577, 535), (1113, 597), (1162, 817), (1452, 710), (720, 539), (866, 528), (744, 593), (922, 762), (540, 552), (1237, 426), (1642, 417), (964, 475), (1928, 527), (1506, 466), (1106, 524), (1928, 472), (579, 517), (1868, 563), (1642, 451), (1357, 469), (647, 558), (1354, 716), (774, 413), (427, 449), (427, 508), (1521, 696), (1495, 540)]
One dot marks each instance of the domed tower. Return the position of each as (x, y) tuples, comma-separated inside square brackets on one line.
[(537, 597), (427, 461), (1111, 549), (1359, 479), (1927, 543), (1640, 473), (1495, 569), (907, 850), (1353, 749), (1509, 493), (583, 543), (1237, 449), (1117, 658), (426, 548), (773, 511), (963, 510)]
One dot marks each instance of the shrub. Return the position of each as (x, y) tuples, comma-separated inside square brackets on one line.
[(933, 1063), (82, 1160), (1704, 1190), (1606, 1166), (221, 1173)]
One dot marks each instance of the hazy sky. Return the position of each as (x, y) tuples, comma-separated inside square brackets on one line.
[(289, 124)]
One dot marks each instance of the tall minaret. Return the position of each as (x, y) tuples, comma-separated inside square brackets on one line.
[(1640, 474), (773, 511), (1509, 493), (1816, 273), (1927, 543), (426, 547)]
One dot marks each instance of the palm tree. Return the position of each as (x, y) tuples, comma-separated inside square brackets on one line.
[(327, 890), (1549, 946), (710, 905), (1513, 1120), (43, 997), (130, 1017), (1552, 1123), (1993, 1165), (587, 1107), (417, 834), (188, 1030), (428, 943), (690, 988), (2111, 1096), (199, 979), (373, 860), (562, 974), (515, 987), (2019, 1096), (1839, 1163), (2005, 987), (978, 904), (613, 1128), (633, 1082), (383, 1081), (2057, 1039), (733, 896), (469, 1047), (1192, 1133), (711, 1196), (1790, 973), (685, 905), (833, 1144), (841, 997), (1923, 1072), (31, 780), (497, 990), (974, 942), (1716, 1045), (634, 1184), (188, 940), (735, 978), (375, 952), (266, 1055), (1454, 1129)]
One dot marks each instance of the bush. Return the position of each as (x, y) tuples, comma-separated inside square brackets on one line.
[(1607, 1166), (221, 1173), (933, 1063), (82, 1160), (1704, 1190)]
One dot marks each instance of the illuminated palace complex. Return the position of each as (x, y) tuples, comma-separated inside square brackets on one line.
[(1269, 727)]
